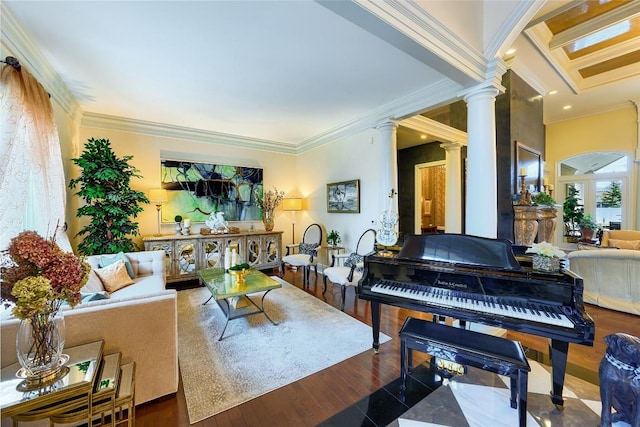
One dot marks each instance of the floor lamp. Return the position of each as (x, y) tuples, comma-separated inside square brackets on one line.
[(158, 196), (293, 204)]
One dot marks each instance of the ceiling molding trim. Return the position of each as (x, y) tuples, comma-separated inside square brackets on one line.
[(19, 44), (602, 79), (539, 36), (529, 76), (603, 55), (414, 22), (511, 29), (554, 13), (608, 109), (437, 130), (439, 93), (612, 17), (103, 121)]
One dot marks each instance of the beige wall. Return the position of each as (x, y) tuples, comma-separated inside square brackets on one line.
[(613, 131), (147, 150)]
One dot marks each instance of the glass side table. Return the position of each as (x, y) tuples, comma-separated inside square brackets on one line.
[(83, 364)]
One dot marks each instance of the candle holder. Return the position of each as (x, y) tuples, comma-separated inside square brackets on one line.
[(525, 196)]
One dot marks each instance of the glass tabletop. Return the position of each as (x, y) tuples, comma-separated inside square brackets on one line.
[(225, 285), (83, 366)]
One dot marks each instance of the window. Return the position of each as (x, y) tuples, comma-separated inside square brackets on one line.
[(602, 180)]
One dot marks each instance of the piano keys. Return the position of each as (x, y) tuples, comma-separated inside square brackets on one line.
[(479, 280)]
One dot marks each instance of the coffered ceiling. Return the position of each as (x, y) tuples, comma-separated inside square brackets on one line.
[(589, 43)]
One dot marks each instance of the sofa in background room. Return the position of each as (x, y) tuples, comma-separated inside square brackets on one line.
[(611, 277)]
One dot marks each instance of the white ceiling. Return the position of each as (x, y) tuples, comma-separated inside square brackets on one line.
[(283, 72)]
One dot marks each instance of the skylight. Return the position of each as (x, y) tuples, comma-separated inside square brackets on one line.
[(602, 35)]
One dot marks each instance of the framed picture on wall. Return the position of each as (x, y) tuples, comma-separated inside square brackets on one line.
[(196, 190), (343, 197), (527, 163)]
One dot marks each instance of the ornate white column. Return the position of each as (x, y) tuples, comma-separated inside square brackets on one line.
[(453, 197), (482, 199), (389, 166)]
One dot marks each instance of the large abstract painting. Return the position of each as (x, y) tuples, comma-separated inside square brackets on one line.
[(198, 189)]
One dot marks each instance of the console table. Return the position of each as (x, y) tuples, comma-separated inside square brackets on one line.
[(186, 255)]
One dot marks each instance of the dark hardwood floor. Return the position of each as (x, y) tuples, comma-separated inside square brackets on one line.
[(315, 398)]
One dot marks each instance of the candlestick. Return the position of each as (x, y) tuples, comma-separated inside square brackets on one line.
[(227, 258), (523, 171)]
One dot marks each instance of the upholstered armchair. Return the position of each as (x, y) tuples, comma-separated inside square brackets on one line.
[(350, 272), (307, 252)]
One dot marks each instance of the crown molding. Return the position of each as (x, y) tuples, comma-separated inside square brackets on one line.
[(540, 36), (439, 131), (19, 44), (611, 108), (511, 29), (103, 121), (413, 21), (436, 94)]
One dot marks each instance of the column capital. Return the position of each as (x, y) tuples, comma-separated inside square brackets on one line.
[(387, 125), (452, 146), (481, 93), (493, 80)]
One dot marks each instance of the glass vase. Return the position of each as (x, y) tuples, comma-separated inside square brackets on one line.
[(268, 220), (39, 345)]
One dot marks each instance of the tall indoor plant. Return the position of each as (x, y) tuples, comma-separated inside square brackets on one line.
[(573, 212), (104, 186)]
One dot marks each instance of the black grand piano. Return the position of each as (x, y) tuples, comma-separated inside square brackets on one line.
[(479, 280)]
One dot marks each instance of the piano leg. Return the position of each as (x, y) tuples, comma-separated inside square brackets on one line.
[(558, 351), (375, 325)]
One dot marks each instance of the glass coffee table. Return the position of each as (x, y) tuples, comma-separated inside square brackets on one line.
[(232, 293)]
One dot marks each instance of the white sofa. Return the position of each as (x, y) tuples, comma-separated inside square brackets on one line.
[(611, 277), (139, 321)]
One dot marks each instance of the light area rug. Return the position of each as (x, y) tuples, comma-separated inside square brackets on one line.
[(255, 356)]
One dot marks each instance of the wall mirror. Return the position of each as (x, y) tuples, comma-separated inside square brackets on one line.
[(527, 161)]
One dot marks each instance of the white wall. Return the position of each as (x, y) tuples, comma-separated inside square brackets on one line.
[(147, 150), (353, 157)]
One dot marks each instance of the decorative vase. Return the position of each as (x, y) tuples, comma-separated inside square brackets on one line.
[(268, 220), (178, 228), (39, 345), (546, 264)]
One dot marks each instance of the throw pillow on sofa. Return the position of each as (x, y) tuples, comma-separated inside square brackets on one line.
[(106, 260), (93, 285), (624, 244), (114, 276)]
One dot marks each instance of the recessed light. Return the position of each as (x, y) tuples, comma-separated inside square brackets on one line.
[(552, 92), (511, 51), (566, 107), (423, 136)]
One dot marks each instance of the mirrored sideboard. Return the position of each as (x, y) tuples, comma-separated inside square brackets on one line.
[(185, 255)]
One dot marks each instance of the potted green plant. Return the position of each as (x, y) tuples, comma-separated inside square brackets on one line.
[(587, 227), (573, 212), (333, 238), (104, 186), (543, 199)]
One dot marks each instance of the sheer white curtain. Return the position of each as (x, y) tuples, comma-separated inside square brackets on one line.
[(32, 182)]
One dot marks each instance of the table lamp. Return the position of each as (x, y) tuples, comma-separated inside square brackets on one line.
[(157, 196), (292, 204)]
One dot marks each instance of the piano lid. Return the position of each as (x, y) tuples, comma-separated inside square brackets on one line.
[(459, 249)]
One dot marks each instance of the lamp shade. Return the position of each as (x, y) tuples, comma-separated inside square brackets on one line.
[(158, 195), (293, 204)]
